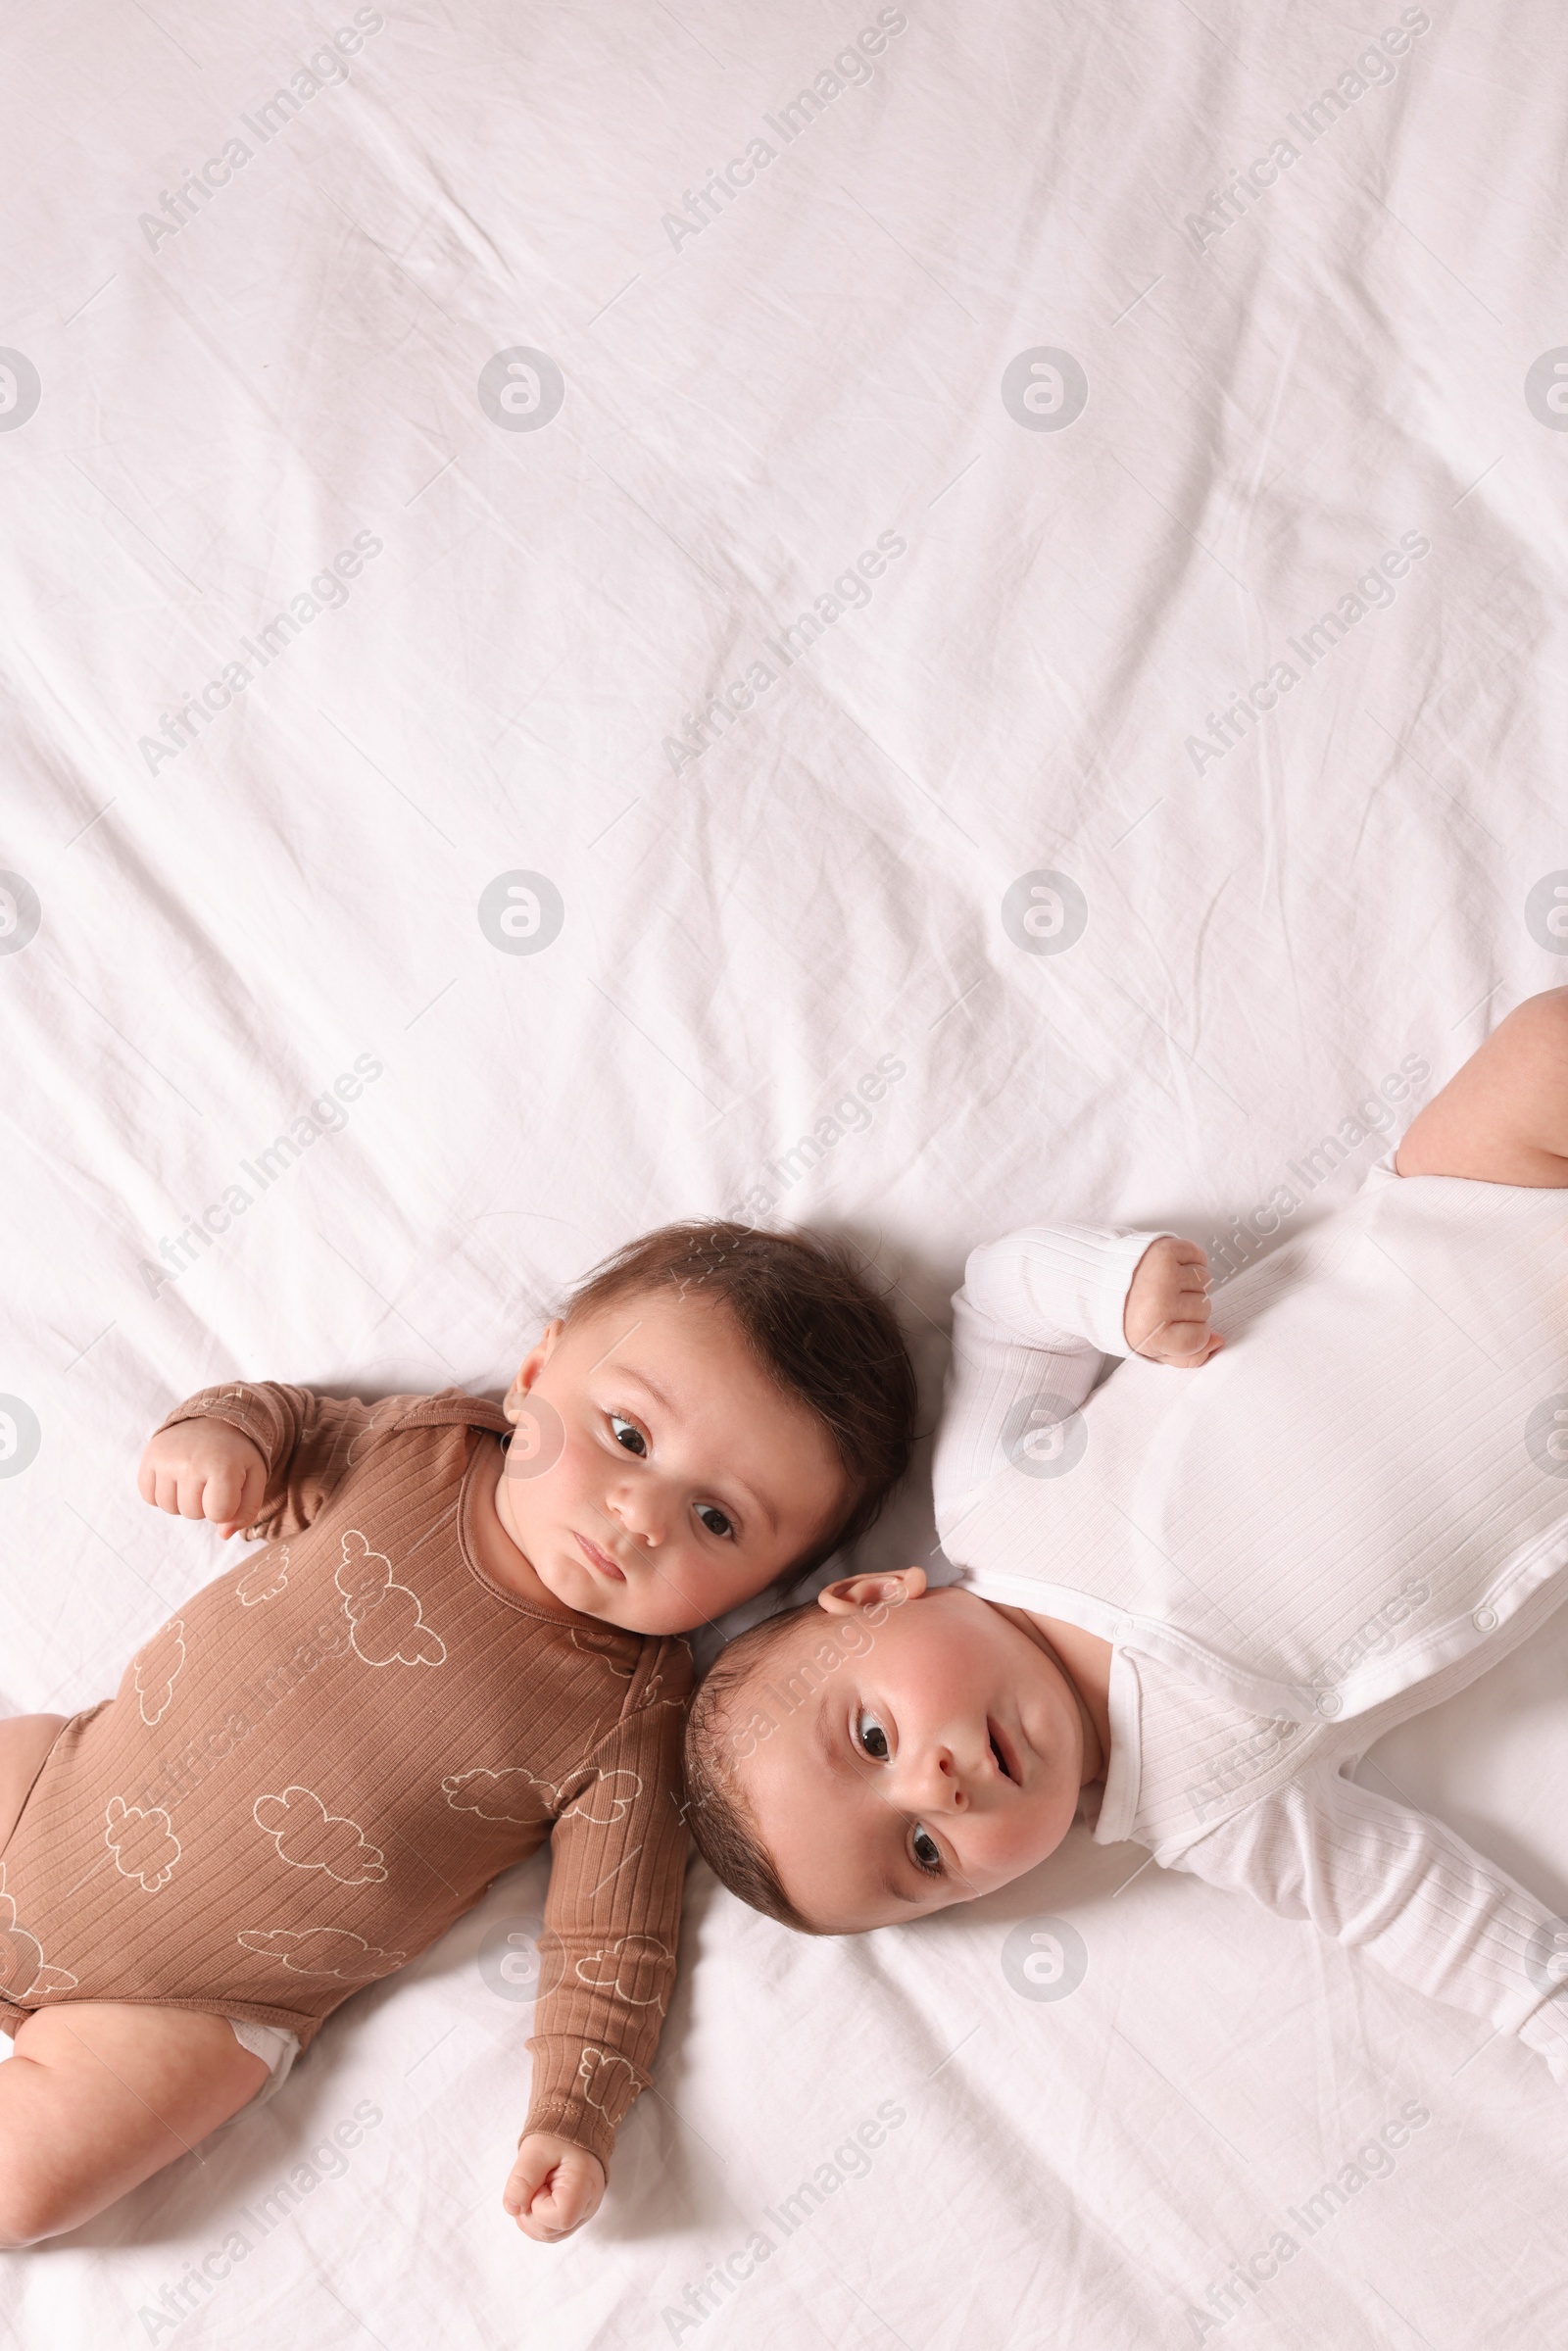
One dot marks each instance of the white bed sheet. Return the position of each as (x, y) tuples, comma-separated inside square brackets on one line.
[(225, 403)]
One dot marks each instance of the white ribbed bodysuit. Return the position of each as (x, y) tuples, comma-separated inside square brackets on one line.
[(1355, 1508)]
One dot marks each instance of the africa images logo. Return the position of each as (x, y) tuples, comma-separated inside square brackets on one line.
[(21, 389)]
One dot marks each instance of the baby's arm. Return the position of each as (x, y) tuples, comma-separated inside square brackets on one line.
[(1039, 1311), (256, 1453), (1503, 1117), (612, 1926), (1389, 1879)]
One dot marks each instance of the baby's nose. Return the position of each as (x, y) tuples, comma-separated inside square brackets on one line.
[(940, 1781), (638, 1511)]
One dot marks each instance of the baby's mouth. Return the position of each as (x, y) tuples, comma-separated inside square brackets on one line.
[(1005, 1763), (601, 1561)]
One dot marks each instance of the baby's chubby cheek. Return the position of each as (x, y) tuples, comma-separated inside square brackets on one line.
[(1034, 1840), (1010, 1842), (551, 1470)]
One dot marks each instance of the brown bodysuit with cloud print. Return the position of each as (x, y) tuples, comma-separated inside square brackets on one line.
[(329, 1755)]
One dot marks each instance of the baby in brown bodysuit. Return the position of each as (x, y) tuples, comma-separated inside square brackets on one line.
[(456, 1645)]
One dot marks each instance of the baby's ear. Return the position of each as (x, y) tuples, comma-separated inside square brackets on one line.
[(886, 1591), (531, 1366)]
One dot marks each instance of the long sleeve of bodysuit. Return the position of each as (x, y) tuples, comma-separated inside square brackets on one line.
[(612, 1914), (308, 1442), (1388, 1880), (1038, 1314)]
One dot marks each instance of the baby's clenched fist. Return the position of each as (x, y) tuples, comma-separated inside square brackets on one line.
[(204, 1469), (1166, 1315), (555, 2186)]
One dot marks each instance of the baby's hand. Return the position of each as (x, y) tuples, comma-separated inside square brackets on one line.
[(1166, 1315), (555, 2186), (204, 1469)]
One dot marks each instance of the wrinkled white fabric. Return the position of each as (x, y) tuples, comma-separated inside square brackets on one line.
[(790, 968)]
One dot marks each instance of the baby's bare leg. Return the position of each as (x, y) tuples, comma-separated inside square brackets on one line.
[(100, 2095), (1503, 1119), (25, 1741)]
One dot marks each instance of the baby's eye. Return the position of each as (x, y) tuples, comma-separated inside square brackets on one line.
[(872, 1738), (926, 1850), (716, 1521), (628, 1433)]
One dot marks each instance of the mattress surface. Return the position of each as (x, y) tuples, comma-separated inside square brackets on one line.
[(909, 620)]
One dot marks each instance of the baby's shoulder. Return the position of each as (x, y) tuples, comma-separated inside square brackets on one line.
[(449, 1408), (367, 1443), (648, 1669)]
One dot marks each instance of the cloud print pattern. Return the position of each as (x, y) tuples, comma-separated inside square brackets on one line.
[(23, 1968), (513, 1794), (263, 1578), (635, 1967), (157, 1670), (334, 1749), (310, 1837), (143, 1844), (323, 1951), (388, 1627)]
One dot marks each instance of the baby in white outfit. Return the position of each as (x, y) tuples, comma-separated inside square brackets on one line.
[(1192, 1600)]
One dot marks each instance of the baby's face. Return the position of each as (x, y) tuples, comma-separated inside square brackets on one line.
[(658, 1476), (942, 1757)]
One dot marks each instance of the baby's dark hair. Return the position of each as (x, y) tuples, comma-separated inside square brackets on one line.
[(813, 1321), (718, 1814)]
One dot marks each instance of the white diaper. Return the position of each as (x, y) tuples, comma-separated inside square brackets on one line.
[(275, 2047)]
